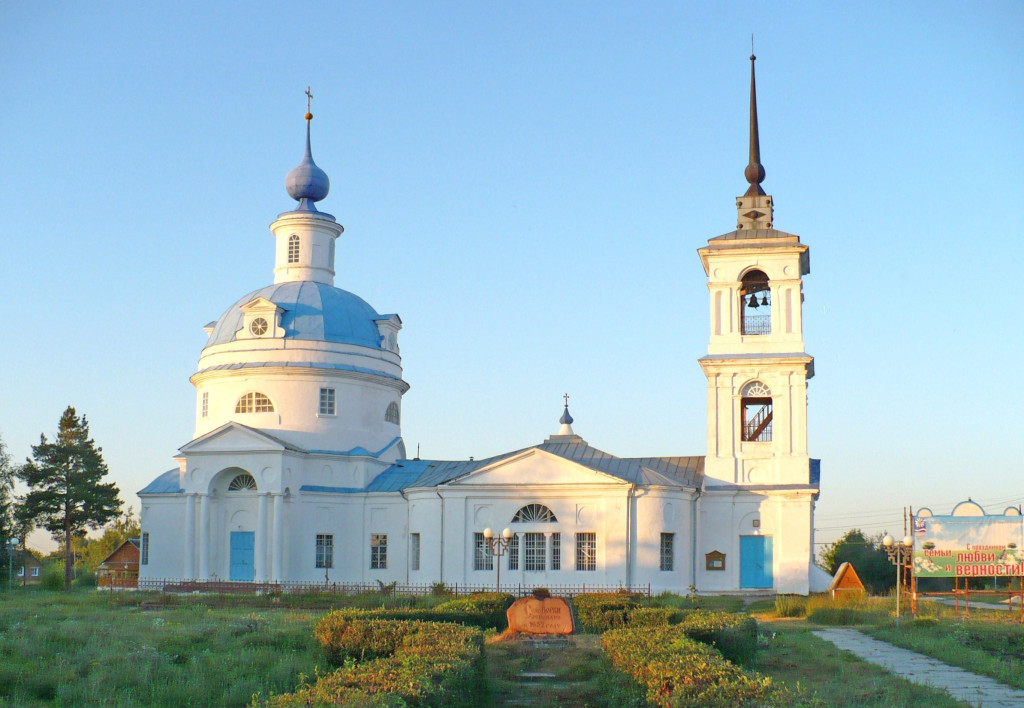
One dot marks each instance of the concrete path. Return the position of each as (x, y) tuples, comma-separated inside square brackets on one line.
[(962, 685)]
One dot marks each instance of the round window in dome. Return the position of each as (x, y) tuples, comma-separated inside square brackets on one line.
[(259, 326)]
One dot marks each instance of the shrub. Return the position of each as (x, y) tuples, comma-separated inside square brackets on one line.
[(490, 607), (653, 616), (599, 613), (680, 672), (415, 663), (735, 636), (85, 579), (53, 577), (790, 606)]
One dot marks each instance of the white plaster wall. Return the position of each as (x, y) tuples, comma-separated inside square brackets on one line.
[(162, 517)]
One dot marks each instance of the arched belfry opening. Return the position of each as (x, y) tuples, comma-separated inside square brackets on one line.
[(755, 304), (756, 412)]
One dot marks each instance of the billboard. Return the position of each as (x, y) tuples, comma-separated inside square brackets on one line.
[(968, 546)]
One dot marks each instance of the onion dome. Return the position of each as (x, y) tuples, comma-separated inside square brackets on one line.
[(566, 420), (307, 183)]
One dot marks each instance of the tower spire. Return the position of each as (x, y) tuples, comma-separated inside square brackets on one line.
[(755, 170), (755, 209)]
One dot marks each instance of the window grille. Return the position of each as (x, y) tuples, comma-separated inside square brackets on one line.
[(534, 513), (392, 414), (513, 552), (327, 401), (586, 551), (206, 404), (324, 550), (482, 558), (556, 551), (379, 551), (534, 548), (667, 551), (254, 403), (293, 249), (242, 482), (144, 550)]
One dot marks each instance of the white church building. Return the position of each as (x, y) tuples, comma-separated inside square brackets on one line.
[(297, 470)]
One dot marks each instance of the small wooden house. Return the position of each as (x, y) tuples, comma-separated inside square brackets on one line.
[(27, 567), (121, 568), (845, 582)]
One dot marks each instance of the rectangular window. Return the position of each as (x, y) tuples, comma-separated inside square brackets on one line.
[(327, 401), (667, 551), (556, 551), (206, 404), (378, 551), (21, 572), (482, 558), (414, 548), (534, 547), (35, 572), (586, 551), (324, 550), (513, 552), (144, 550)]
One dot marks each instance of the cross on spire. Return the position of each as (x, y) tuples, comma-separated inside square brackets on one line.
[(566, 397), (309, 104)]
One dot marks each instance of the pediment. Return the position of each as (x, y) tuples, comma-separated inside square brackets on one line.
[(235, 437), (535, 467), (261, 304)]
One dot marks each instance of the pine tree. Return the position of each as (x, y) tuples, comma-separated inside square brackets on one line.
[(66, 493)]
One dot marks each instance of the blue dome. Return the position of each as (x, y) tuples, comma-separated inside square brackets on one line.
[(315, 311)]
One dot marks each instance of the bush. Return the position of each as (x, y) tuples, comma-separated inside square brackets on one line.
[(790, 606), (680, 672), (85, 579), (735, 636), (654, 616), (492, 606), (416, 663), (601, 612), (53, 577)]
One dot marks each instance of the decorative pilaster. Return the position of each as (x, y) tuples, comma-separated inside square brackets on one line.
[(261, 538), (189, 570), (204, 536), (277, 540)]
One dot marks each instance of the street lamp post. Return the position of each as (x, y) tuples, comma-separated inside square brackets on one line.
[(899, 555), (497, 546), (11, 545)]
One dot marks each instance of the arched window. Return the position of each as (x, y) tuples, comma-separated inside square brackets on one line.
[(293, 249), (242, 482), (756, 412), (392, 415), (755, 304), (533, 514), (254, 403)]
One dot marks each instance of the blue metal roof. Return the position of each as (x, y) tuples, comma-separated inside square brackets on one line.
[(167, 483), (314, 311)]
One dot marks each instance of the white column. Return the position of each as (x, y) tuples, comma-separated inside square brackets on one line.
[(204, 536), (188, 571), (261, 538), (277, 539)]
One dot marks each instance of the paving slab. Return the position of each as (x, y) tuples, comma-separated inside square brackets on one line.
[(963, 685)]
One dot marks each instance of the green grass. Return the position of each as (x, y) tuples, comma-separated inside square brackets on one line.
[(80, 649), (823, 675), (989, 643)]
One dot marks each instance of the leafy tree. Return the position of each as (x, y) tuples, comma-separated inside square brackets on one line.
[(66, 492), (866, 555), (94, 550), (7, 523)]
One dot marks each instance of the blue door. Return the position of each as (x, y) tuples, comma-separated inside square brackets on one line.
[(243, 551), (755, 561)]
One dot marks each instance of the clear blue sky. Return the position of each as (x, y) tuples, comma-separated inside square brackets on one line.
[(527, 183)]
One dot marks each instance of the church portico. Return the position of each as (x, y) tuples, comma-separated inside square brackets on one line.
[(298, 472)]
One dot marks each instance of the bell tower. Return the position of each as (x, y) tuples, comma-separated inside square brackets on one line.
[(756, 366)]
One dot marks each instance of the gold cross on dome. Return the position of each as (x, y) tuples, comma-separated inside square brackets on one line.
[(309, 99)]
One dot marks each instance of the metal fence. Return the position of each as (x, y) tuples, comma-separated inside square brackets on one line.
[(177, 585)]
